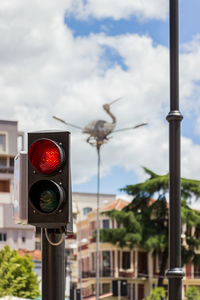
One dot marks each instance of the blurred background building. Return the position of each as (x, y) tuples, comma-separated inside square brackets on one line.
[(14, 235)]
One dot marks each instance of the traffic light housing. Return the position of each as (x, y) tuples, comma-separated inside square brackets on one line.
[(49, 179)]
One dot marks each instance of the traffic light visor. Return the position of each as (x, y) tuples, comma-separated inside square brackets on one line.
[(46, 156)]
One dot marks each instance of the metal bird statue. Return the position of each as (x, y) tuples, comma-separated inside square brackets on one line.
[(99, 130)]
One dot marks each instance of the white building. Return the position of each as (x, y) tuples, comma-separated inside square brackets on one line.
[(86, 202), (14, 235)]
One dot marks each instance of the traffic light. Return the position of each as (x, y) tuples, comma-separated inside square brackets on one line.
[(49, 179)]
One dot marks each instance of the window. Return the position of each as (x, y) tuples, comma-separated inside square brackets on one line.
[(3, 237), (106, 224), (24, 237), (2, 142), (106, 263), (106, 288), (93, 289), (92, 227), (3, 161), (197, 267), (11, 161), (126, 260), (15, 236), (5, 186), (93, 261), (142, 264), (86, 210)]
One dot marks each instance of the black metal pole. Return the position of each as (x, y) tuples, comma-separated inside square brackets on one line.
[(175, 273), (53, 267)]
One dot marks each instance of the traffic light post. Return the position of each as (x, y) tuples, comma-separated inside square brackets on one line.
[(49, 204), (53, 267)]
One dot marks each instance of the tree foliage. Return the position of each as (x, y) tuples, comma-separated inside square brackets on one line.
[(128, 234), (157, 293), (192, 293), (16, 275), (144, 222)]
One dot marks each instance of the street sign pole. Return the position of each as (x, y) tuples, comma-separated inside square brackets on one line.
[(53, 266)]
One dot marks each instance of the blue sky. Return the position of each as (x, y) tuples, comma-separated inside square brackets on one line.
[(158, 30), (68, 58), (189, 24)]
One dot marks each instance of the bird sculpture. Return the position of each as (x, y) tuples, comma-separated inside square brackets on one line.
[(99, 130)]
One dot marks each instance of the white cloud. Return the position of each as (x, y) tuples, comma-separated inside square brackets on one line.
[(190, 77), (190, 159), (46, 71), (117, 9)]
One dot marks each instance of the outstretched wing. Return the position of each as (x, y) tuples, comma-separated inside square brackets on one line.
[(129, 128), (66, 123)]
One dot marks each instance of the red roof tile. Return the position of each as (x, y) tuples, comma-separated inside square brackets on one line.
[(117, 204), (34, 254)]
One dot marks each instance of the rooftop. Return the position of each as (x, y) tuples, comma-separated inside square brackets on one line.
[(34, 254), (117, 204)]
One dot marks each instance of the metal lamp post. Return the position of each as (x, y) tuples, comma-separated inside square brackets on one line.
[(175, 273)]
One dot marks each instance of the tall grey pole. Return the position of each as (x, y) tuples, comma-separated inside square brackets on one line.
[(175, 273), (80, 266), (98, 225), (53, 267)]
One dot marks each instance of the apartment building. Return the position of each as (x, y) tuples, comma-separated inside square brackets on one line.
[(83, 203), (136, 268), (15, 235)]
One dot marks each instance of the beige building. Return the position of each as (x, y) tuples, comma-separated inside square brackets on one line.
[(83, 204), (137, 269)]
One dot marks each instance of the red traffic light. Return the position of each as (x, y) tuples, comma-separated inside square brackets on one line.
[(46, 156)]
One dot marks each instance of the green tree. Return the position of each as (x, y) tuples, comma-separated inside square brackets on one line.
[(145, 220), (157, 293), (192, 293), (16, 275)]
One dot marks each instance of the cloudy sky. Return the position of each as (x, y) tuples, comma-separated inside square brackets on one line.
[(69, 57)]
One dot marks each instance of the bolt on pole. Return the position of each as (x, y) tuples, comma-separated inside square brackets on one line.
[(175, 273)]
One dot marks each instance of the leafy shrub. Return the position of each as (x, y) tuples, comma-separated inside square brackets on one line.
[(17, 277)]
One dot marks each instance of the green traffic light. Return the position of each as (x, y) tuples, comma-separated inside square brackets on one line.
[(48, 201), (46, 196)]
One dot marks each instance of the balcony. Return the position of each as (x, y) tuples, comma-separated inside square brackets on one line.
[(8, 170), (197, 274), (126, 274), (106, 272), (103, 273), (143, 274)]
